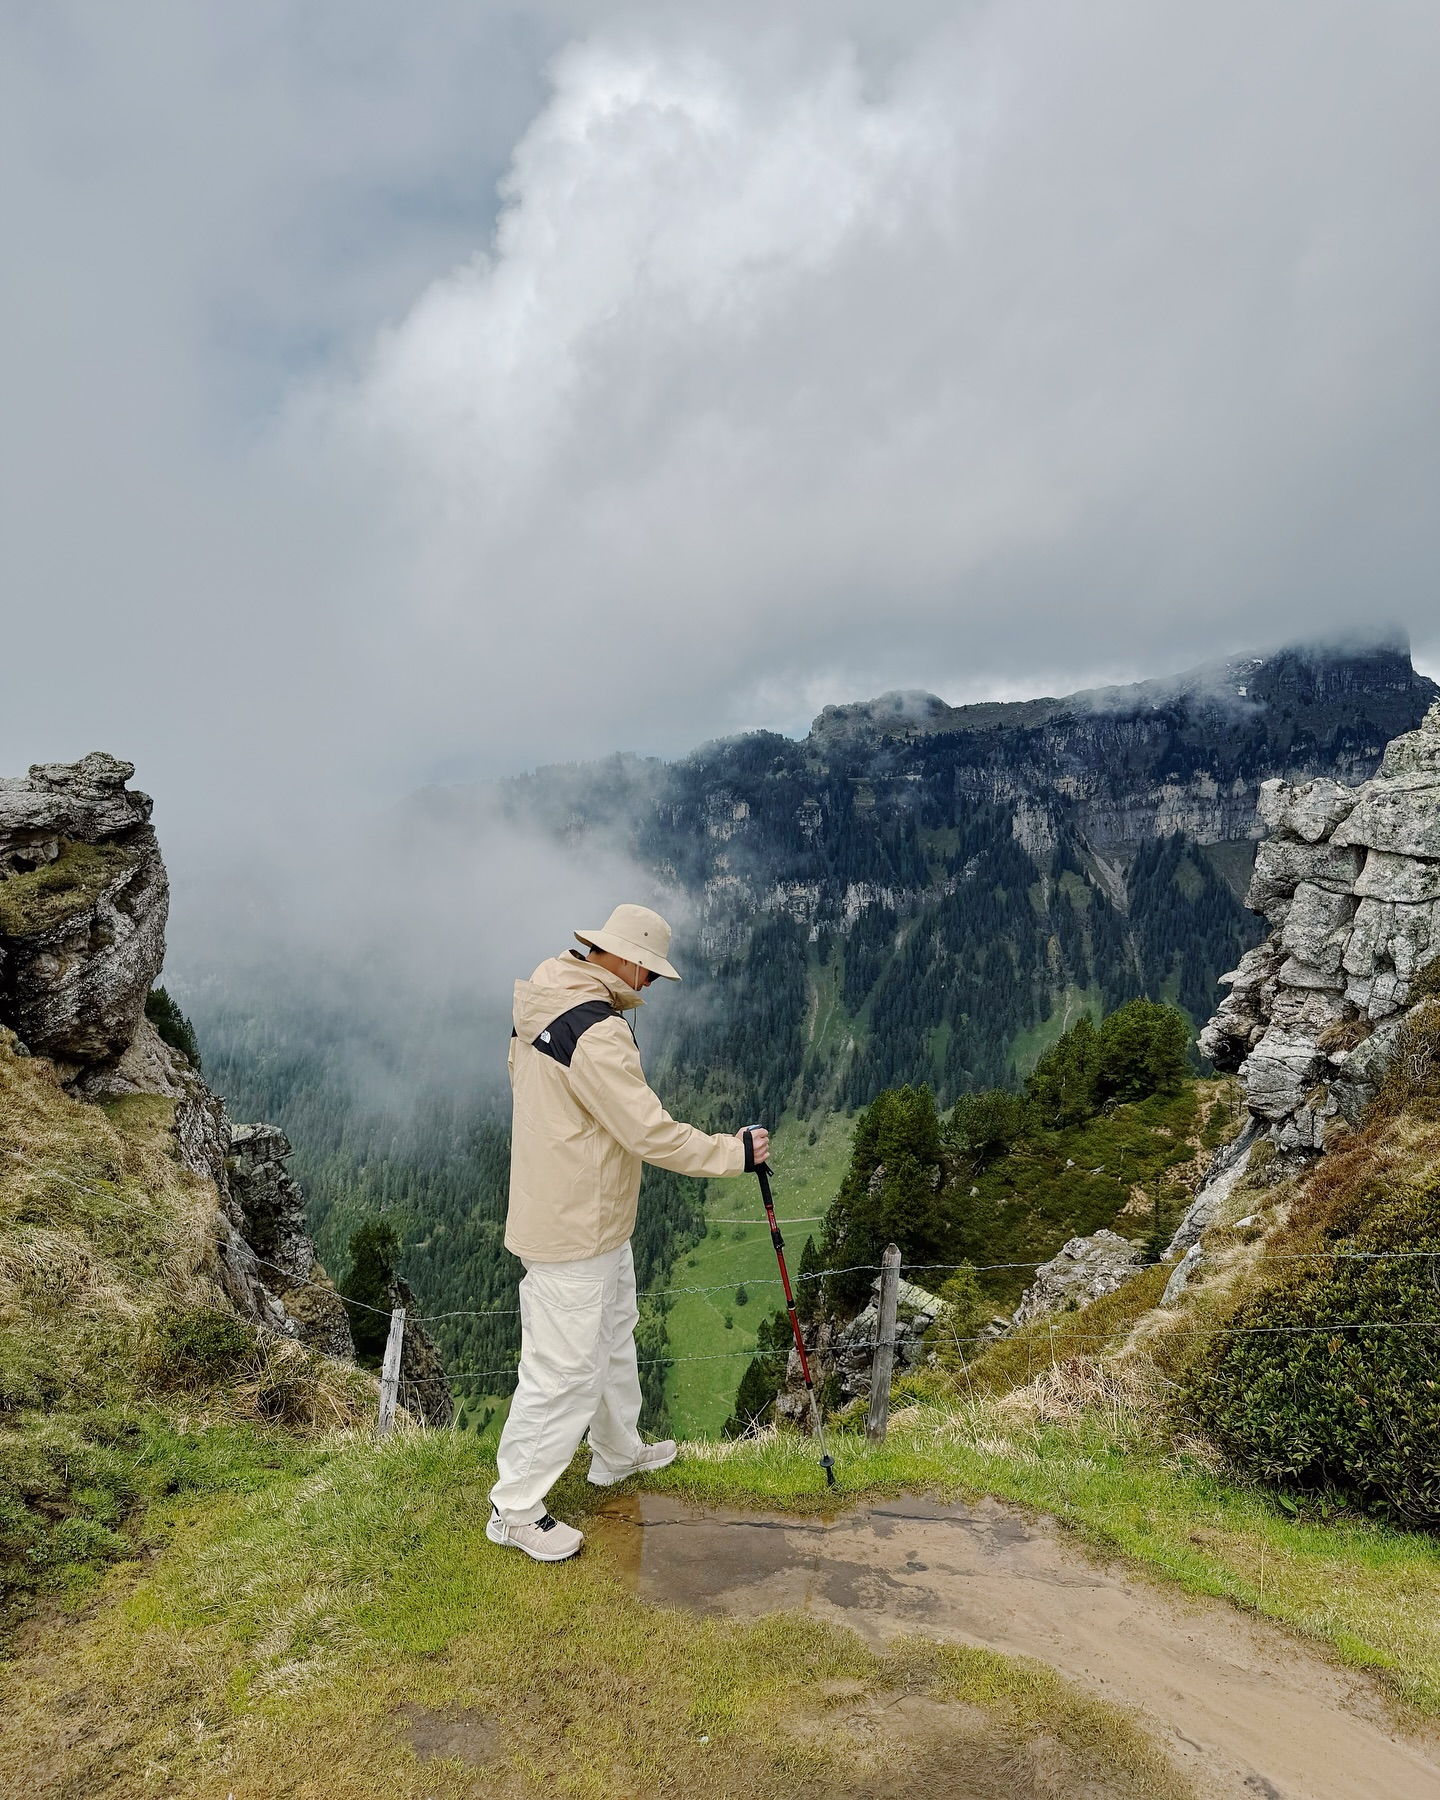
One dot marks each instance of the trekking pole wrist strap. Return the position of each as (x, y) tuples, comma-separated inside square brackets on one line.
[(749, 1143)]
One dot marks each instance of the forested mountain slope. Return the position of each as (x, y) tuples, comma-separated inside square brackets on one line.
[(912, 893)]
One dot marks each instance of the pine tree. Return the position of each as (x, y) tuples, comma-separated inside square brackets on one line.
[(374, 1247)]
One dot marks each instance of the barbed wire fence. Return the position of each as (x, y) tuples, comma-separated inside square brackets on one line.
[(403, 1391), (397, 1391)]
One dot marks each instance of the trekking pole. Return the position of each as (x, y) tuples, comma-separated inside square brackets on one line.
[(762, 1172)]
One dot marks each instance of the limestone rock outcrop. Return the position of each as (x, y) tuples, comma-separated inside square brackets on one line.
[(271, 1211), (1086, 1269), (842, 1352), (83, 905), (1349, 880)]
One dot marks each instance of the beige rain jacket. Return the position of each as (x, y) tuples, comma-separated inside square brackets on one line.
[(586, 1119)]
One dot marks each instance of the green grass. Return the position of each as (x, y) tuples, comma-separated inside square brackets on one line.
[(35, 901), (107, 1245), (700, 1395), (286, 1638)]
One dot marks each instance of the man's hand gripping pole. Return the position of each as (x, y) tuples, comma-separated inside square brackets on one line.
[(762, 1172)]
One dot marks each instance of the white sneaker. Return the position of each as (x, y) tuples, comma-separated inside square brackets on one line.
[(546, 1539), (652, 1456)]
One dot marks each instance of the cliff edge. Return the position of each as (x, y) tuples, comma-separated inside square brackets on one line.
[(84, 899)]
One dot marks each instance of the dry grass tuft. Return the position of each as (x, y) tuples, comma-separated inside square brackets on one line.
[(106, 1241), (1412, 1081), (1066, 1391)]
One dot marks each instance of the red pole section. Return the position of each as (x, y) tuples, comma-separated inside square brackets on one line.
[(763, 1172)]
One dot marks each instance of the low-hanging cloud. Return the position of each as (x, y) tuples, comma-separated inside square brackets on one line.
[(388, 949)]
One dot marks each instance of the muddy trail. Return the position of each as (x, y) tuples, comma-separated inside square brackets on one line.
[(1240, 1706)]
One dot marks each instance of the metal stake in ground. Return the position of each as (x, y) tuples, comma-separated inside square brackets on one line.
[(827, 1462)]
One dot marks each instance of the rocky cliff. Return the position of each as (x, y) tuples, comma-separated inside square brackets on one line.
[(1349, 881), (83, 904), (1184, 753), (934, 883)]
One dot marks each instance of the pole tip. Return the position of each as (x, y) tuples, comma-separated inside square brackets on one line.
[(827, 1463)]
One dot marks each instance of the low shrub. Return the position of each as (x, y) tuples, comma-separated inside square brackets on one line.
[(197, 1346), (1327, 1376)]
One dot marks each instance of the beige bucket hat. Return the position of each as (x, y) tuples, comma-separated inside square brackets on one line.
[(637, 934)]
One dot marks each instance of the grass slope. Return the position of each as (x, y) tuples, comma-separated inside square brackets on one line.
[(700, 1395), (107, 1293), (1126, 1169), (302, 1640), (349, 1604)]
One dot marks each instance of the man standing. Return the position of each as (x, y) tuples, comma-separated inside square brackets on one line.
[(585, 1120)]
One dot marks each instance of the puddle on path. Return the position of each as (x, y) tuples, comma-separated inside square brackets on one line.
[(1243, 1708), (460, 1733)]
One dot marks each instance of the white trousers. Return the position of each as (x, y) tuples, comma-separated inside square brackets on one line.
[(577, 1370)]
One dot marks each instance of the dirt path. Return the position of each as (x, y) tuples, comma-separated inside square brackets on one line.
[(1241, 1706)]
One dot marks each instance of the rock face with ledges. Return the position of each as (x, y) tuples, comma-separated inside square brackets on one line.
[(83, 905), (271, 1209), (1350, 882)]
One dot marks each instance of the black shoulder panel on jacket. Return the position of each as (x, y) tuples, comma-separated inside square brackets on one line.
[(561, 1035)]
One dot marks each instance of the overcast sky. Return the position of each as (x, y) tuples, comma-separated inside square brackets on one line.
[(399, 393)]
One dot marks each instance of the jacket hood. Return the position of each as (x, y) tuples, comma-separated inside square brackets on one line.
[(560, 983)]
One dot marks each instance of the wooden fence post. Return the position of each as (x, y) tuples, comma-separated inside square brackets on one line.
[(390, 1371), (884, 1346)]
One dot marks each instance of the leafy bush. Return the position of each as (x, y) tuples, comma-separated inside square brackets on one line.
[(1339, 1387), (173, 1026), (197, 1346)]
